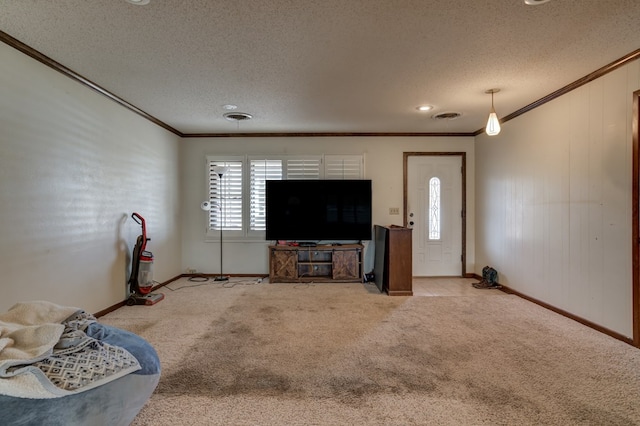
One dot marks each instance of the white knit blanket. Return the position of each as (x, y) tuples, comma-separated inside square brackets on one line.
[(43, 353)]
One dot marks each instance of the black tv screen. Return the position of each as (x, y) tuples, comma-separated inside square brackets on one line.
[(304, 210)]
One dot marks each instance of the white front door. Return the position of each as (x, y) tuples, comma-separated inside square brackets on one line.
[(434, 211)]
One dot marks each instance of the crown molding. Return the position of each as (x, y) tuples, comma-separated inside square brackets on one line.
[(323, 134), (27, 50)]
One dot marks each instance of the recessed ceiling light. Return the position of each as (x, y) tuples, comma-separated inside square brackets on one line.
[(230, 107), (535, 2), (138, 2), (424, 108)]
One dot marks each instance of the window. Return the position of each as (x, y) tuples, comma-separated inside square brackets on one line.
[(261, 171), (225, 196), (304, 168), (238, 199), (434, 208), (343, 166)]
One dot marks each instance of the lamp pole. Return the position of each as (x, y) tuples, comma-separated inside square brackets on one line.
[(220, 170)]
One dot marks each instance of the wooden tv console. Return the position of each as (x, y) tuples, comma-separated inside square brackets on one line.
[(321, 263)]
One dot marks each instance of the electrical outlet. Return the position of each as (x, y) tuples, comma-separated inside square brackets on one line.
[(191, 270), (394, 210)]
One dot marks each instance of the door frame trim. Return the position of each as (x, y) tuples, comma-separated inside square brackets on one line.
[(463, 160), (635, 215)]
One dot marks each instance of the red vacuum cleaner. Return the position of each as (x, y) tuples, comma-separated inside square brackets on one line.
[(141, 279)]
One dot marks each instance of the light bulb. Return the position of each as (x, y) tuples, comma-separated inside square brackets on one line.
[(493, 125)]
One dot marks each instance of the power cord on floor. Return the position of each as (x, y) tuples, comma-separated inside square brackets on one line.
[(197, 284), (231, 284), (202, 280), (199, 279)]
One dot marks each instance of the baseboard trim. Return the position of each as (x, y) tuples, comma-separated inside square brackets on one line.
[(564, 313), (110, 309)]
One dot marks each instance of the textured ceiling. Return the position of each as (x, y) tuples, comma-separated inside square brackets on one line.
[(326, 65)]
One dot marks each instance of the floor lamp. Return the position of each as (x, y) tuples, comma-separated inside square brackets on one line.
[(219, 170)]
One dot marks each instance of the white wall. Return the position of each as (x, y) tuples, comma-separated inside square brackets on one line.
[(383, 165), (554, 199), (73, 167)]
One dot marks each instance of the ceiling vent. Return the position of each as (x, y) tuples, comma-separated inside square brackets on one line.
[(446, 116), (237, 116)]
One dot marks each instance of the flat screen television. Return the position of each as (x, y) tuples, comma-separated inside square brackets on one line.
[(318, 210)]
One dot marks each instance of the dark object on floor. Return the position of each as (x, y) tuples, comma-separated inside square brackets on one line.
[(489, 279)]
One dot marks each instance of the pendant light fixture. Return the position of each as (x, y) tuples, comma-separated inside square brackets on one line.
[(493, 124)]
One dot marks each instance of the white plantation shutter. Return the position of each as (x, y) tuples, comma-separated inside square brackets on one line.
[(304, 168), (261, 170), (225, 196), (343, 167)]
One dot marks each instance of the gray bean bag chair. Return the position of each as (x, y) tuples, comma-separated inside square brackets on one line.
[(112, 401)]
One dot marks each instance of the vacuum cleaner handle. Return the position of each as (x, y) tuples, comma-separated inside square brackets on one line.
[(140, 220)]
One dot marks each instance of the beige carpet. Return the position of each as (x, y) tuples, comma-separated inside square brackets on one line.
[(343, 354)]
